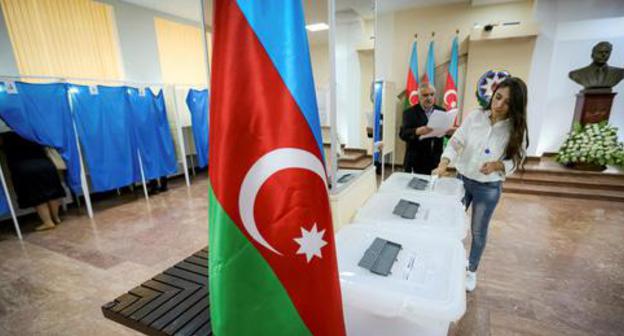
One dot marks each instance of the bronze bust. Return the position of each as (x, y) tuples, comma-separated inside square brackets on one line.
[(598, 75)]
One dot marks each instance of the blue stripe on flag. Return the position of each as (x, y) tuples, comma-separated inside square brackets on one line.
[(431, 64), (453, 64), (414, 62), (280, 27)]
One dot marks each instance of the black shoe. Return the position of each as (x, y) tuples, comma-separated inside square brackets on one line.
[(163, 184), (153, 191)]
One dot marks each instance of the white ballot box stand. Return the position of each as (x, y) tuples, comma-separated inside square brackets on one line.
[(437, 215), (423, 293), (444, 186)]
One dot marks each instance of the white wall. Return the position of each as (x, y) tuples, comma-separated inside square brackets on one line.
[(137, 39), (569, 30), (384, 47), (319, 57), (541, 61), (7, 60), (349, 36), (395, 34)]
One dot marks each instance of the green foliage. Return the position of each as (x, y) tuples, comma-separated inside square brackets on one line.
[(592, 143)]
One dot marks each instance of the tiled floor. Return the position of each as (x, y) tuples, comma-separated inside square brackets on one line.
[(55, 282), (552, 267)]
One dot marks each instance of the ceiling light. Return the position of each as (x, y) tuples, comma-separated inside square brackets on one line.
[(317, 27)]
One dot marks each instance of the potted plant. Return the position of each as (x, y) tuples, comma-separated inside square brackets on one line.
[(592, 147)]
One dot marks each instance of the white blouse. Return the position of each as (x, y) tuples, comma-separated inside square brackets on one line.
[(476, 142)]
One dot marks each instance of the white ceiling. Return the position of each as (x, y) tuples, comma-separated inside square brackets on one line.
[(395, 5), (490, 2), (315, 10), (191, 9)]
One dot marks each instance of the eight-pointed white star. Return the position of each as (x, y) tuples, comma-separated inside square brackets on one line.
[(311, 242), (488, 85)]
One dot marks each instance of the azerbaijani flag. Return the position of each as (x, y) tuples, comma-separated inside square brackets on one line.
[(411, 88), (430, 66), (273, 268), (450, 89)]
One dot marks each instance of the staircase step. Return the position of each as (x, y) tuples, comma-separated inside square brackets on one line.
[(328, 144), (511, 186), (548, 165), (362, 163), (603, 182), (352, 155)]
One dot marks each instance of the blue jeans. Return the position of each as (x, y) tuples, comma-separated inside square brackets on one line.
[(483, 196)]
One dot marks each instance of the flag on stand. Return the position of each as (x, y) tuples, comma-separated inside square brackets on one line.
[(411, 88), (450, 89), (430, 66), (273, 268)]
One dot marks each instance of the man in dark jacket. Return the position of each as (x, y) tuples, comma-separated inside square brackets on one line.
[(421, 156)]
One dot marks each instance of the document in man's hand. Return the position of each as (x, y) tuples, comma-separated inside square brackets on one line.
[(440, 122)]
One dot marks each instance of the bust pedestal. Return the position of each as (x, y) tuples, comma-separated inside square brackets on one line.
[(593, 106)]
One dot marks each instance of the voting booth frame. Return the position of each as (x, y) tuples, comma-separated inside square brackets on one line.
[(182, 147)]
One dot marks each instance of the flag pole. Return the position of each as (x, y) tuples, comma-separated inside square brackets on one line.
[(333, 124)]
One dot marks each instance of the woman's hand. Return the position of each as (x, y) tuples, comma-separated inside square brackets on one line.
[(441, 171), (492, 166)]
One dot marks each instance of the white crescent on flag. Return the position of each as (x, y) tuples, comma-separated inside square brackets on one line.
[(450, 98), (413, 96), (260, 172)]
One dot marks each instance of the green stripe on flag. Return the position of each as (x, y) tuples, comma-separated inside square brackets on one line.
[(246, 297)]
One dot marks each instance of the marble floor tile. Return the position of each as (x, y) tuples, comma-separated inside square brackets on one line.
[(552, 266)]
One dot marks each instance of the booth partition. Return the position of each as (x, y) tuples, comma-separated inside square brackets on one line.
[(115, 135)]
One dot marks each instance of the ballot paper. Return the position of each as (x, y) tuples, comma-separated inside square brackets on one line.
[(440, 122)]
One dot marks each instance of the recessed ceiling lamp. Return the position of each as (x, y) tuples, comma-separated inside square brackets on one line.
[(317, 27)]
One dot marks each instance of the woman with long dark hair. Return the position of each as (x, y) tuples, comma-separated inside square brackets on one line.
[(489, 145)]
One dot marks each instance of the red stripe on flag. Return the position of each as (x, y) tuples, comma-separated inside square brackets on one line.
[(252, 114), (450, 93), (412, 88)]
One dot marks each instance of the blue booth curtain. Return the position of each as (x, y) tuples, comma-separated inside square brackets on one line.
[(4, 203), (152, 133), (105, 130), (41, 113), (377, 127), (197, 102)]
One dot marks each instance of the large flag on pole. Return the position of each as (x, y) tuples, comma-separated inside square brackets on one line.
[(273, 268), (411, 88), (450, 89), (430, 66)]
